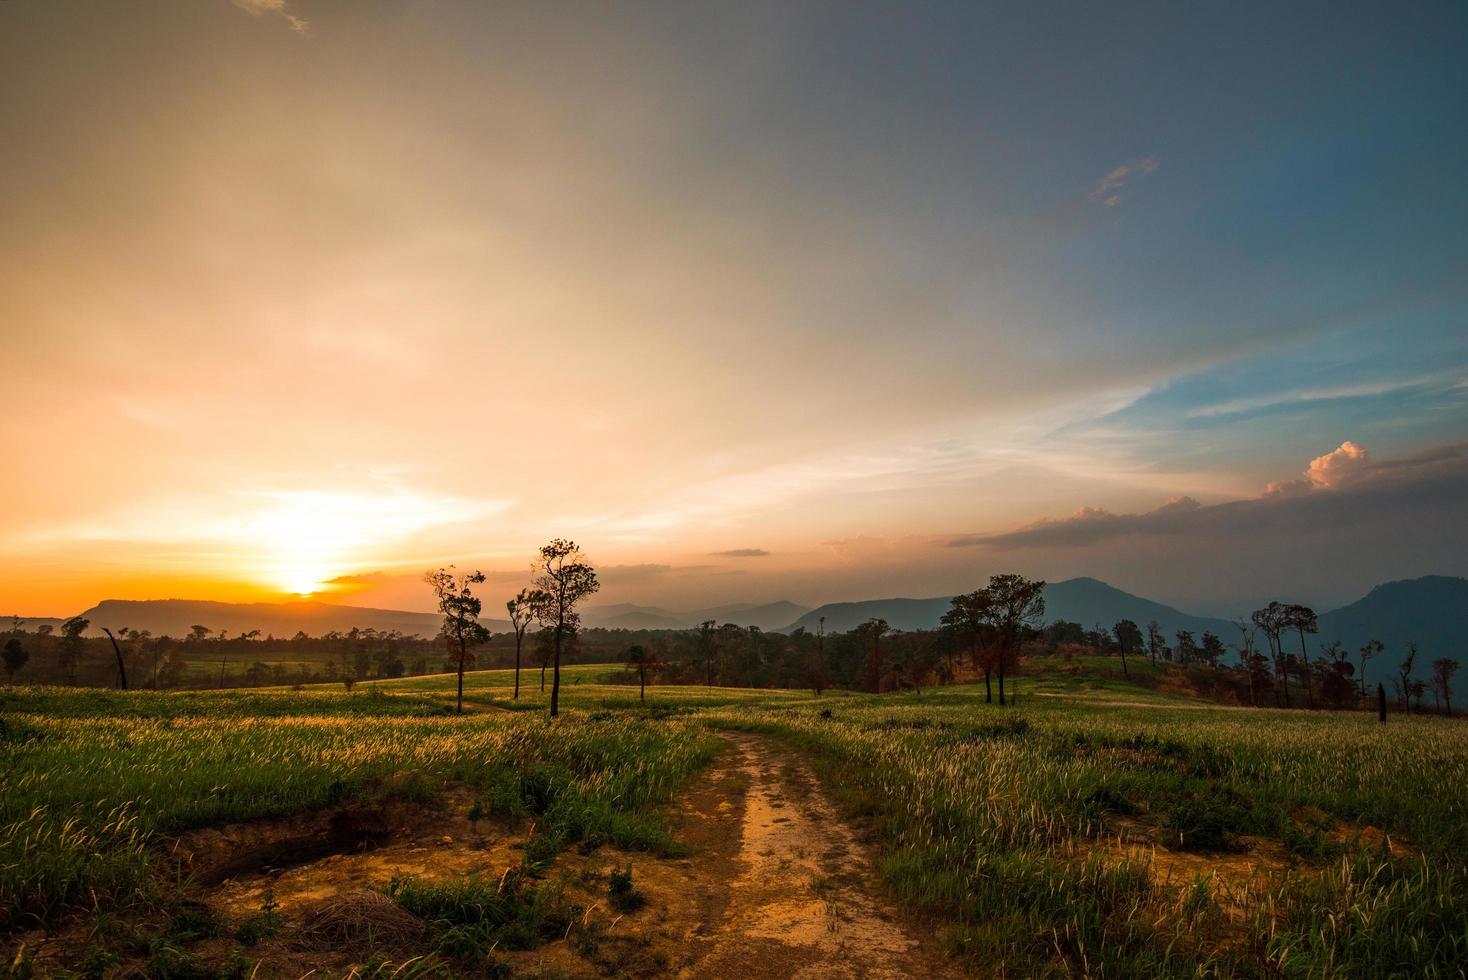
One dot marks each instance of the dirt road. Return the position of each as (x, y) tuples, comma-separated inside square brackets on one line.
[(802, 898)]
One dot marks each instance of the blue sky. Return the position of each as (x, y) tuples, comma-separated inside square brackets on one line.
[(837, 283)]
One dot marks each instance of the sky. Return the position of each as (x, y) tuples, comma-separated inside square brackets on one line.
[(756, 301)]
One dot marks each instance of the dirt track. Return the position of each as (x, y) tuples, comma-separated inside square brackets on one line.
[(804, 900)]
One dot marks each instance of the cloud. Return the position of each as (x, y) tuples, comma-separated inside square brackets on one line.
[(259, 8), (1332, 471), (362, 580), (1341, 488), (1107, 191), (741, 553), (1086, 526)]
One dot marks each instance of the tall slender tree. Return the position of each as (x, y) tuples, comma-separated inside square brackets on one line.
[(461, 628), (562, 578), (71, 645), (1368, 650), (642, 660), (706, 646), (1404, 675), (1270, 621), (520, 619), (1302, 620), (1443, 670), (121, 667), (1128, 639)]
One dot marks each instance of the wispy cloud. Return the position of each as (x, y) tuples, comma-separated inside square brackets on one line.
[(278, 8), (1108, 189), (741, 553), (1241, 406)]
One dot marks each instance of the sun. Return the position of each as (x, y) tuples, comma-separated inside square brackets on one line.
[(303, 579)]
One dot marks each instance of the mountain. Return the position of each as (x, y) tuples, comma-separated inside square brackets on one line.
[(174, 617), (1079, 600), (1431, 611), (771, 616), (626, 616)]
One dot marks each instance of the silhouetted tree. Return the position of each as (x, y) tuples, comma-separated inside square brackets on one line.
[(1403, 681), (1187, 647), (966, 619), (1155, 646), (1210, 649), (121, 667), (1302, 620), (642, 660), (562, 579), (72, 645), (1367, 651), (1016, 605), (16, 656), (1443, 670), (520, 618), (1336, 671), (1271, 622), (706, 647), (460, 608), (872, 632), (1248, 657), (1128, 640)]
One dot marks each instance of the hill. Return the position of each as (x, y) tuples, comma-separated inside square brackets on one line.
[(770, 616), (1079, 600), (1431, 611), (174, 617)]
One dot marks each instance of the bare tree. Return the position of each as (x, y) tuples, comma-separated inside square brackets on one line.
[(1403, 681), (121, 667), (1155, 645), (561, 578), (1369, 650), (520, 619), (1247, 632), (461, 627)]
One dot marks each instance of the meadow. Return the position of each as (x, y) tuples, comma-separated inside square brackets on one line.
[(1098, 827)]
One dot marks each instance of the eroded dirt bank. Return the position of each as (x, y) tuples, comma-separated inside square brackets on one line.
[(777, 885)]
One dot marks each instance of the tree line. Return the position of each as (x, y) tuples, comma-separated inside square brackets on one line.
[(987, 633)]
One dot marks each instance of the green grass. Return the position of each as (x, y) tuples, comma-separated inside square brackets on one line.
[(991, 818), (996, 823), (84, 796)]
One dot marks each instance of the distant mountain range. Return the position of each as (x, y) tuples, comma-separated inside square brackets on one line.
[(770, 616), (1431, 611), (175, 617), (1078, 600)]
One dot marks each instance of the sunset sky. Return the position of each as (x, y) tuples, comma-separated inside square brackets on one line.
[(756, 301)]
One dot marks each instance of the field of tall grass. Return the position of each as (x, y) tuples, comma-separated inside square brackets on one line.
[(1095, 828)]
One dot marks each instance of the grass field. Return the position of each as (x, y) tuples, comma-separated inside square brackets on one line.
[(1097, 827)]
